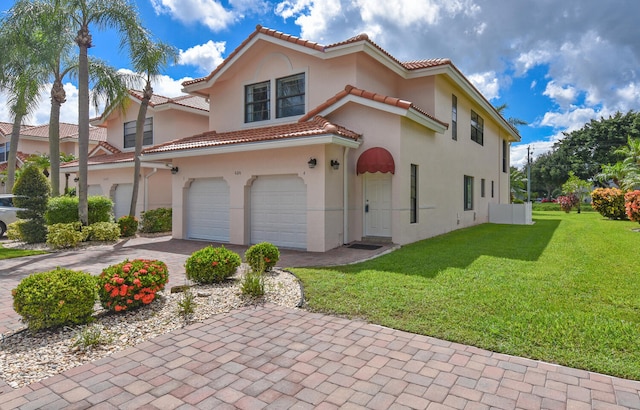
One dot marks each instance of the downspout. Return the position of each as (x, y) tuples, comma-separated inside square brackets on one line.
[(146, 188), (345, 194)]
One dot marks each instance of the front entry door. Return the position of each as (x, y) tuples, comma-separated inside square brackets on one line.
[(377, 205)]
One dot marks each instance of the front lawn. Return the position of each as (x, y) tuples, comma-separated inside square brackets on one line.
[(564, 290), (16, 253)]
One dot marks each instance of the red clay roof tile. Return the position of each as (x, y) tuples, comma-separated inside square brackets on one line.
[(314, 127)]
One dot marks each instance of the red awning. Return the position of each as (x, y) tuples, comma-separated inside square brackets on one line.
[(376, 159)]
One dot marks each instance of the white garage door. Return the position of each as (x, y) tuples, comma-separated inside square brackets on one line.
[(122, 200), (208, 210), (279, 211)]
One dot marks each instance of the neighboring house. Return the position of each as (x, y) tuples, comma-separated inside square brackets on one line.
[(34, 140), (312, 147), (110, 165)]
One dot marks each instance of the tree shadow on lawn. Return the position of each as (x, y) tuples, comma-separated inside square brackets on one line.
[(459, 249)]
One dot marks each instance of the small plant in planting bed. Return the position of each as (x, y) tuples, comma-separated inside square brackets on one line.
[(131, 284), (212, 265), (262, 256)]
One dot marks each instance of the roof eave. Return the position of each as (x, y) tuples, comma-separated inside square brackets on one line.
[(254, 146)]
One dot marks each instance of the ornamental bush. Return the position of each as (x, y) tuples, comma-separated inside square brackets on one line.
[(632, 205), (131, 284), (102, 231), (212, 265), (64, 209), (100, 209), (32, 193), (55, 298), (13, 230), (65, 235), (156, 220), (568, 202), (128, 225), (609, 202), (263, 252)]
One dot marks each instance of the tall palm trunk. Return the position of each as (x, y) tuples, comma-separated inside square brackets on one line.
[(13, 151), (83, 40), (58, 97), (142, 114)]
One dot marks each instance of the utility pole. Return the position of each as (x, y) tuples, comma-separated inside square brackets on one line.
[(529, 152)]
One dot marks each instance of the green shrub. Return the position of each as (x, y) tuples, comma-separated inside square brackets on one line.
[(128, 225), (62, 210), (131, 284), (212, 265), (609, 202), (32, 190), (33, 230), (102, 231), (100, 209), (65, 235), (156, 220), (262, 252), (13, 230), (55, 298), (253, 282)]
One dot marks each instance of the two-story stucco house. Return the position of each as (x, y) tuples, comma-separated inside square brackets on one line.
[(312, 146), (34, 140), (111, 163)]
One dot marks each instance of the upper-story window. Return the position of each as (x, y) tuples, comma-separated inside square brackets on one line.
[(130, 133), (289, 98), (505, 152), (4, 152), (454, 117), (257, 99), (477, 128)]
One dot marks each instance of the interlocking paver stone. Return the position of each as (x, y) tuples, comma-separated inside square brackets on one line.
[(278, 358)]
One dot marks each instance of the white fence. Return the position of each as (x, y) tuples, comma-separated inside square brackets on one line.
[(513, 214)]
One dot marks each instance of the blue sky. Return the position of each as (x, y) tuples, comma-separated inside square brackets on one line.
[(557, 64)]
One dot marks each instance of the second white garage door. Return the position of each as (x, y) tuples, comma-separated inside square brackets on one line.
[(122, 200), (279, 211), (208, 210)]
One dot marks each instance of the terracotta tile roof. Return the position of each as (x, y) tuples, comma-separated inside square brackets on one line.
[(66, 131), (351, 90), (104, 144), (411, 65), (190, 101), (7, 127), (316, 126), (120, 157), (22, 158)]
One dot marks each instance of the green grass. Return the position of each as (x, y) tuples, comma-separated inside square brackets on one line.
[(564, 290), (16, 253)]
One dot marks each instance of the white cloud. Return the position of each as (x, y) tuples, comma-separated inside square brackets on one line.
[(211, 13), (487, 83), (205, 56), (518, 152), (563, 95)]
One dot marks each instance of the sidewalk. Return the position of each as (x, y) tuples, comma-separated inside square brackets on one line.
[(278, 358)]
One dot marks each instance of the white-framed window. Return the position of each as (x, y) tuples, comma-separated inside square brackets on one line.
[(477, 128), (482, 193), (288, 100), (468, 193), (413, 218), (257, 101), (454, 117), (130, 133), (4, 151)]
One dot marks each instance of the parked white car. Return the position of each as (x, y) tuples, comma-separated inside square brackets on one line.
[(7, 212)]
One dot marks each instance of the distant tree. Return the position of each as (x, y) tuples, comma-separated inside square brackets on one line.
[(548, 173), (576, 186), (518, 181)]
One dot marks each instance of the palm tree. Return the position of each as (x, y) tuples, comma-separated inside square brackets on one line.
[(149, 58), (630, 164), (21, 78), (119, 15), (514, 122)]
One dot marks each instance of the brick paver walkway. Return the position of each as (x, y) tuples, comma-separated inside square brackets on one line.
[(279, 358)]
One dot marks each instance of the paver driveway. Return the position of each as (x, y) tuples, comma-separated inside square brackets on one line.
[(274, 357)]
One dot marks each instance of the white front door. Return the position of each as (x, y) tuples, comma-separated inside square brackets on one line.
[(377, 205)]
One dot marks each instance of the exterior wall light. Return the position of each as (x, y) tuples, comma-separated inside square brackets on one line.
[(174, 170), (335, 164), (312, 163), (76, 179)]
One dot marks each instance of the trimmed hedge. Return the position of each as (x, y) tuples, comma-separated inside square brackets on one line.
[(156, 220), (64, 209)]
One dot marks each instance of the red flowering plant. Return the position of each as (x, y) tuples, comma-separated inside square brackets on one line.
[(131, 284), (609, 202), (212, 265), (568, 202), (263, 256), (632, 205)]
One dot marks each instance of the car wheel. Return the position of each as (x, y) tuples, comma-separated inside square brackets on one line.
[(3, 229)]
